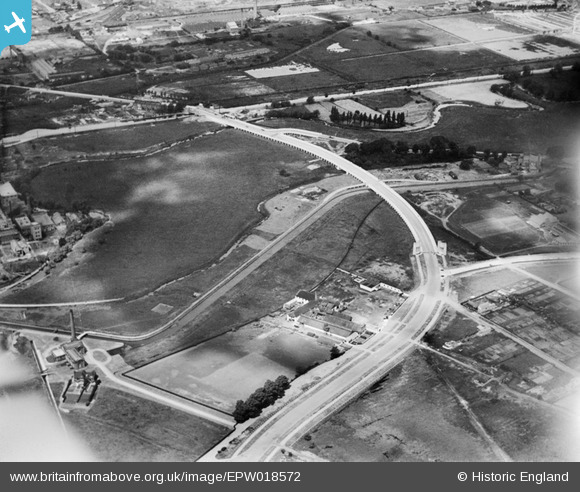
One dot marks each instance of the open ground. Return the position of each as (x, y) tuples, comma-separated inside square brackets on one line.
[(358, 229), (120, 426), (203, 189)]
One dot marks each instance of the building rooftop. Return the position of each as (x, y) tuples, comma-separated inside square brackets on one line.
[(43, 219), (307, 296), (6, 190), (22, 221)]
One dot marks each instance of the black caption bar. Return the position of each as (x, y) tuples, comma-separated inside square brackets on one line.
[(451, 477)]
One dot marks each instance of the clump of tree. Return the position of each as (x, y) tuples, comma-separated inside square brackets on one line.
[(297, 113), (357, 118), (383, 152), (280, 104), (171, 107), (22, 345), (260, 399), (335, 352)]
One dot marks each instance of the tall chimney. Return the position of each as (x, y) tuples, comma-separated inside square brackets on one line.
[(255, 9), (73, 332)]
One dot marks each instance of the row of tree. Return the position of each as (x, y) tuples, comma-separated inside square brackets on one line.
[(389, 120), (260, 399)]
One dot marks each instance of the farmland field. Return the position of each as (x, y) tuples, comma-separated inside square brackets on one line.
[(303, 81), (230, 367), (173, 212), (412, 34), (353, 40), (392, 66), (107, 86), (387, 99), (476, 28)]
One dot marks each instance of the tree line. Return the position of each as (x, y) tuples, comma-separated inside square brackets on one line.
[(388, 120), (383, 152)]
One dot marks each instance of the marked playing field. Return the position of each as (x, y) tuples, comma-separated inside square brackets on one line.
[(230, 367), (496, 225)]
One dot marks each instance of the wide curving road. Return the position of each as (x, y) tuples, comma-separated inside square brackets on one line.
[(363, 365)]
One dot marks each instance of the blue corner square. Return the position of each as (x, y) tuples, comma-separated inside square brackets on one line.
[(15, 22)]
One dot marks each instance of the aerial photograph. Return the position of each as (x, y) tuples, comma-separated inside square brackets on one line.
[(290, 231)]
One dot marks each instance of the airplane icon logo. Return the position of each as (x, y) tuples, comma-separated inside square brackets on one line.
[(16, 17), (17, 23)]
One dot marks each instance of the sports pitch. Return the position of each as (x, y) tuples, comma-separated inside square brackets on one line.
[(230, 367)]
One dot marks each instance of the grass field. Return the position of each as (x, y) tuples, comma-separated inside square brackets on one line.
[(387, 99), (121, 139), (556, 271), (409, 416), (498, 129), (506, 129), (302, 264), (354, 40), (29, 117), (173, 212), (108, 86), (305, 81), (124, 427), (408, 65), (524, 430), (230, 367)]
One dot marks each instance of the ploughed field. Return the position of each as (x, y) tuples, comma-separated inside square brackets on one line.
[(173, 212)]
